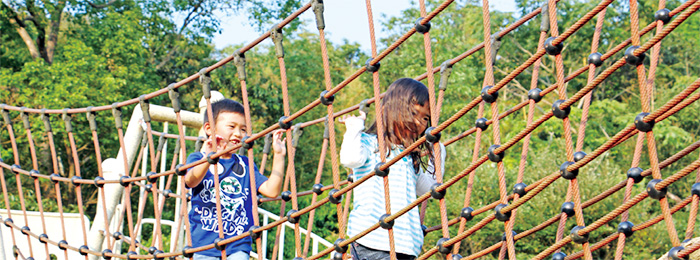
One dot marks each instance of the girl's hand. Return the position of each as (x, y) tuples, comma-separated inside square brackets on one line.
[(278, 144), (212, 145), (346, 117)]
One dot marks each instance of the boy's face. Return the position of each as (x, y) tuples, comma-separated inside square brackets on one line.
[(231, 127)]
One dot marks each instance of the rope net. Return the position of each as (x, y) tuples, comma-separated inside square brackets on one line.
[(454, 227)]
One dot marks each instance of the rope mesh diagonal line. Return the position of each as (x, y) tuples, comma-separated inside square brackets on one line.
[(381, 140), (434, 117), (682, 100)]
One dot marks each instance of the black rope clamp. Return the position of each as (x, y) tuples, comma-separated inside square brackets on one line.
[(467, 213), (239, 61), (83, 250), (493, 156), (338, 248), (99, 182), (130, 254), (123, 182), (332, 198), (695, 189), (363, 106), (370, 67), (384, 224), (105, 252), (579, 156), (481, 123), (286, 195), (151, 178), (25, 230), (187, 254), (558, 111), (117, 114), (626, 228), (284, 125), (326, 100), (91, 116), (268, 143), (245, 144), (74, 180), (519, 188), (317, 188), (174, 95), (157, 252), (33, 173), (654, 193), (634, 60), (544, 14), (5, 114), (251, 232), (277, 39), (47, 120), (205, 81), (317, 7), (15, 168), (297, 131), (25, 118), (217, 245), (445, 72), (179, 169), (441, 245), (145, 105), (568, 208), (673, 253), (500, 215), (596, 59), (422, 28), (291, 219), (52, 176), (576, 237), (552, 49), (636, 174), (67, 118), (566, 174), (211, 160), (438, 195), (641, 125), (43, 238), (430, 137), (495, 46), (62, 244), (488, 98), (379, 172), (663, 15), (7, 222), (198, 144)]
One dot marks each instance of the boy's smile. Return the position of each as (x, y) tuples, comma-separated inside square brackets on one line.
[(230, 128)]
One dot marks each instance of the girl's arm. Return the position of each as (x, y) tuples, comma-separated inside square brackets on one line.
[(352, 155), (271, 188), (425, 179)]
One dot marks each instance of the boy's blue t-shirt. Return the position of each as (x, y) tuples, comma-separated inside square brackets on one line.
[(236, 204)]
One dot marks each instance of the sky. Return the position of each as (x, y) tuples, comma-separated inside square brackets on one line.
[(345, 19)]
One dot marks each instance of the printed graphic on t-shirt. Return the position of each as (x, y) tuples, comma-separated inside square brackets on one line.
[(233, 212)]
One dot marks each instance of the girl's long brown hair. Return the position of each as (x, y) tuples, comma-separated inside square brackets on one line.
[(398, 117)]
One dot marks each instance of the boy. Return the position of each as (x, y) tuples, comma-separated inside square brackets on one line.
[(234, 183)]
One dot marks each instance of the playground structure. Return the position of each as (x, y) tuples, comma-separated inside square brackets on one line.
[(102, 241)]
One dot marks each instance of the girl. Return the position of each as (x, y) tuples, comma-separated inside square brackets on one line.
[(405, 116)]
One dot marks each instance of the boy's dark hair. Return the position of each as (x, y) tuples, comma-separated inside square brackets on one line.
[(222, 106)]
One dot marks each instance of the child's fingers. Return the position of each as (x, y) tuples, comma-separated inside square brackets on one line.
[(363, 115)]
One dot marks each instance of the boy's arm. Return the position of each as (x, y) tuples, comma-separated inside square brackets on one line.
[(272, 187), (196, 174)]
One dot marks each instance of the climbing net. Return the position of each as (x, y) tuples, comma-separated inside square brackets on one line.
[(504, 209)]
